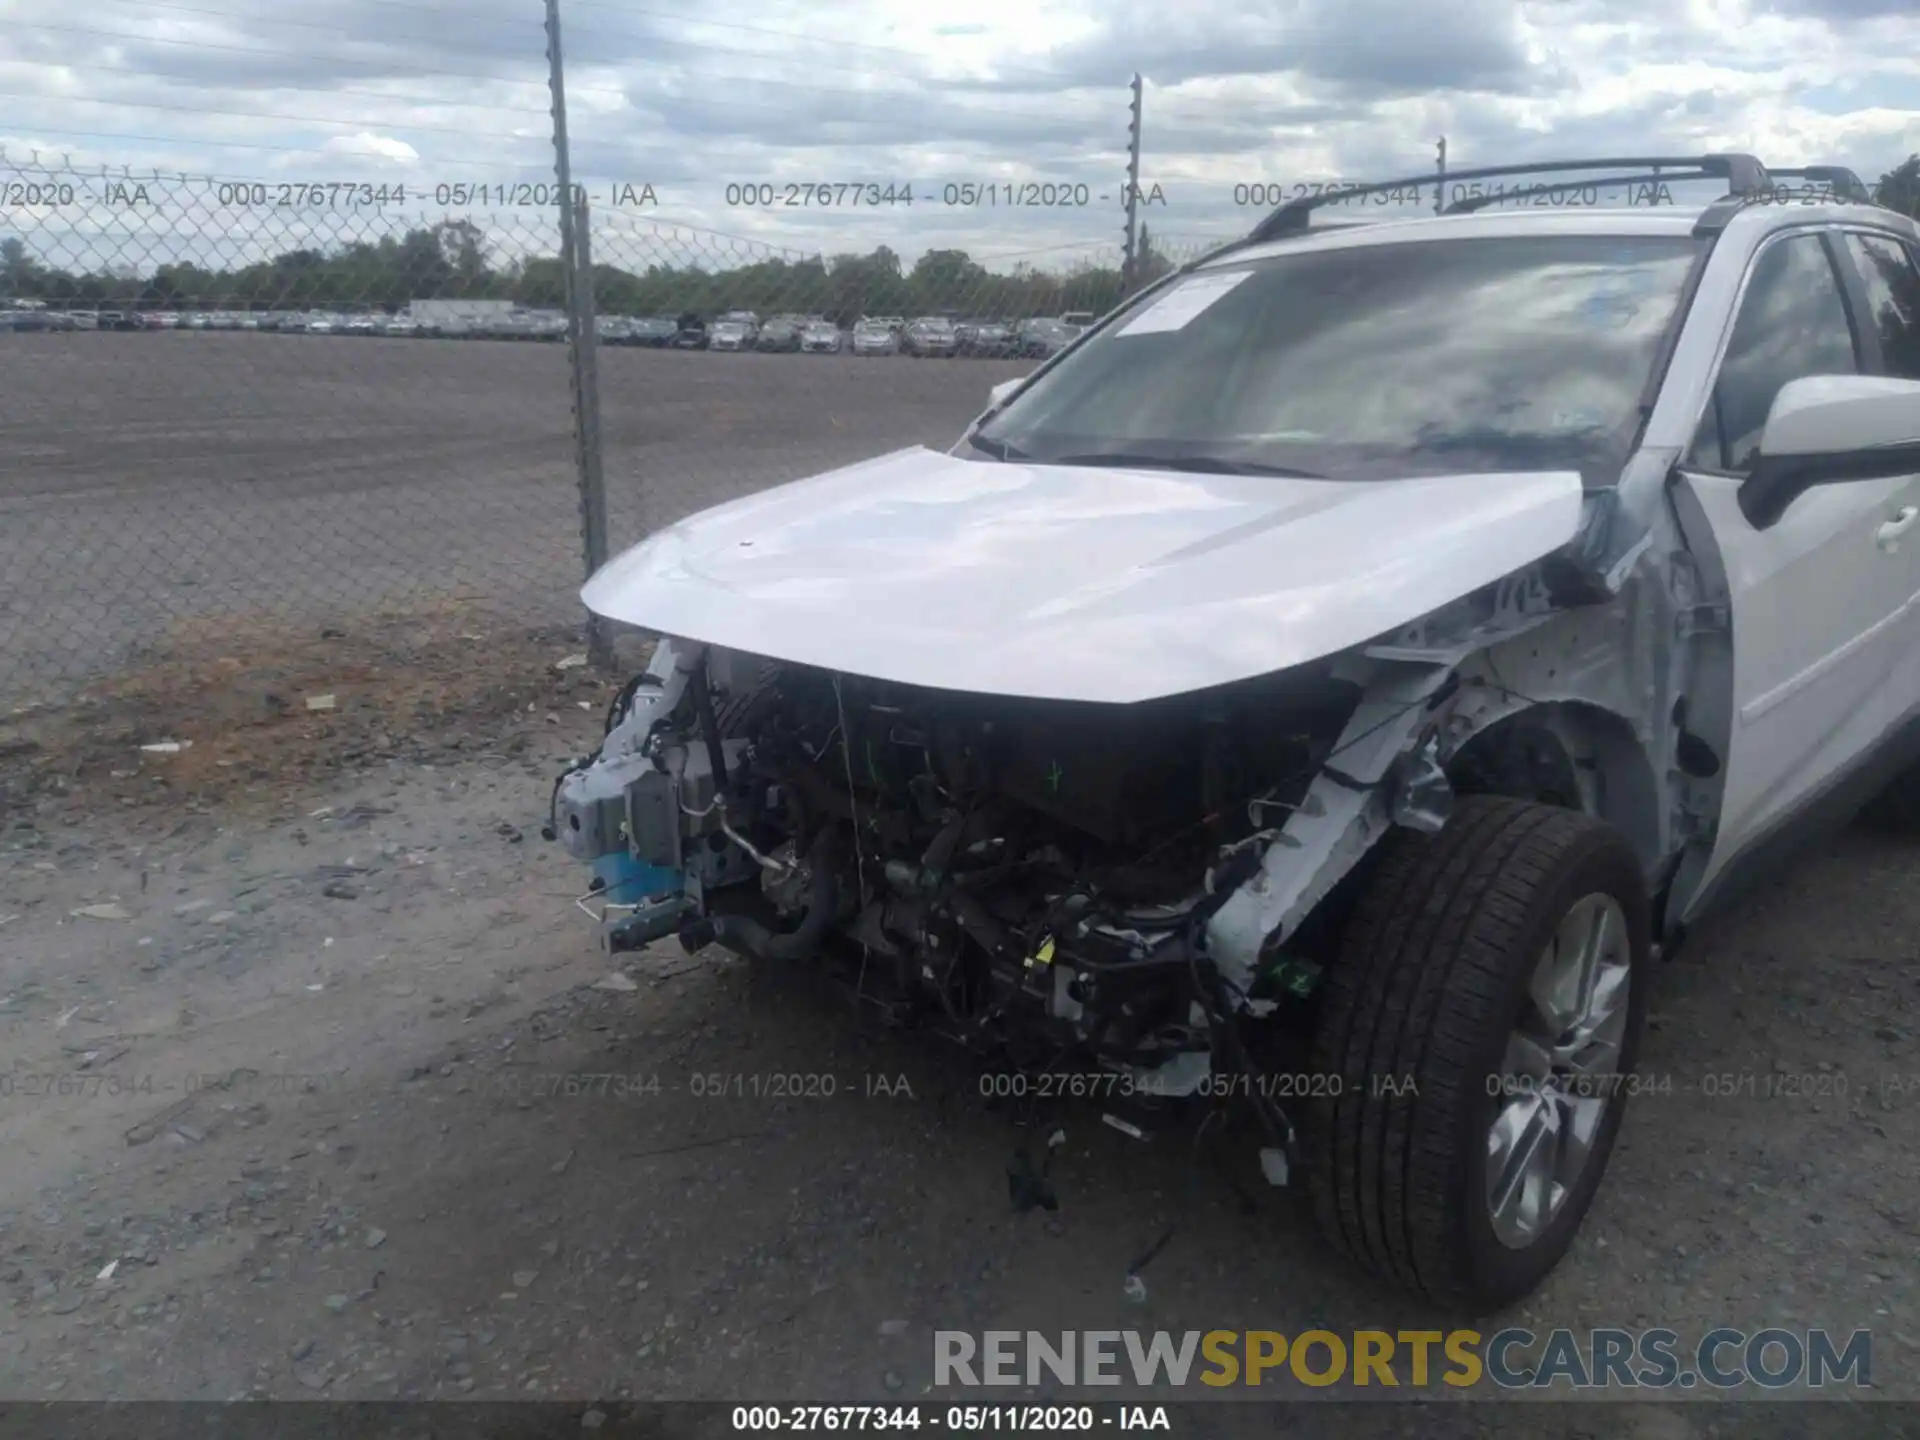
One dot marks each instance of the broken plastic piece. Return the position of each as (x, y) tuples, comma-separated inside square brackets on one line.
[(1273, 1165), (1422, 796), (1028, 1188)]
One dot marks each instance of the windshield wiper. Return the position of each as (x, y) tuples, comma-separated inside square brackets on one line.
[(998, 449), (1195, 464)]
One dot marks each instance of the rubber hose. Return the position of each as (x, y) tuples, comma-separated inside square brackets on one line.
[(749, 936)]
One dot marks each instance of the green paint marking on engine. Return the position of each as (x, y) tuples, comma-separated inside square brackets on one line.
[(1298, 978), (1054, 776)]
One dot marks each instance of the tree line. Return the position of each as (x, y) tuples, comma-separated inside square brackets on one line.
[(451, 260)]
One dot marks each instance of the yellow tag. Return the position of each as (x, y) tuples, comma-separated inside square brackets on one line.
[(1042, 956)]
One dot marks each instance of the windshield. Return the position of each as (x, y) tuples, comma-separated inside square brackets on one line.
[(1370, 362)]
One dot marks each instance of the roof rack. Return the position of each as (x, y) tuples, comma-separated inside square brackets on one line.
[(1846, 184), (1744, 174), (1467, 205), (1847, 187)]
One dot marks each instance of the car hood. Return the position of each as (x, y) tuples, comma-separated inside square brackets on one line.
[(1076, 583)]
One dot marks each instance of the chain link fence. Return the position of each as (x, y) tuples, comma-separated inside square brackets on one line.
[(236, 408)]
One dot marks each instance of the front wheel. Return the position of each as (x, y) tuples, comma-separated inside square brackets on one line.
[(1483, 1022)]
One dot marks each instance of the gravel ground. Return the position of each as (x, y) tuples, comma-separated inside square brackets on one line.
[(151, 480), (317, 1118)]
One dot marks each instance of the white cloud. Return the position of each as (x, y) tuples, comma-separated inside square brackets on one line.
[(930, 92), (377, 147)]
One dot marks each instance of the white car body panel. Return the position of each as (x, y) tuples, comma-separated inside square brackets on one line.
[(1817, 692), (1826, 658), (1076, 583)]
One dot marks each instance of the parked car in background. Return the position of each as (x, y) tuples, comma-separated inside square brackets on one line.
[(1078, 320), (360, 325), (931, 335), (690, 333), (1037, 339), (402, 326), (875, 337), (163, 320), (985, 339), (781, 333), (730, 335), (85, 319), (34, 320), (654, 331), (822, 337)]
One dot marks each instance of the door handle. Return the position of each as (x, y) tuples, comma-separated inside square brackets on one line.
[(1889, 534)]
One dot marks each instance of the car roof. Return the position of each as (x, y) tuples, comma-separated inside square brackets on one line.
[(1676, 220)]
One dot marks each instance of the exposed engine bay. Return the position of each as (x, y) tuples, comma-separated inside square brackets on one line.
[(1033, 876)]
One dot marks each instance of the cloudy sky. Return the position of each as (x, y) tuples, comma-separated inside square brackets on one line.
[(690, 98)]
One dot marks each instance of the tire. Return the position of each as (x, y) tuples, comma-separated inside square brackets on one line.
[(1432, 979)]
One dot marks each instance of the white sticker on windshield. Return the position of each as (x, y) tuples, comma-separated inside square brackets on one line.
[(1177, 308)]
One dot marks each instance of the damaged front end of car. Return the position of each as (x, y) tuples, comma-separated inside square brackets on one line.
[(1152, 891)]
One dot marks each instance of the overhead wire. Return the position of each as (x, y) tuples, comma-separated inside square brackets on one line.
[(917, 81)]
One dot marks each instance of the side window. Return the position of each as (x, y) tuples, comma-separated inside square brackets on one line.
[(1793, 323), (1893, 295)]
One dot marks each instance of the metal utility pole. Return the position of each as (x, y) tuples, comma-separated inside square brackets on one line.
[(576, 265), (1440, 187), (1130, 264)]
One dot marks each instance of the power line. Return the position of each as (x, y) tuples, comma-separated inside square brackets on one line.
[(442, 102), (919, 82), (359, 124), (467, 16), (381, 66), (649, 38), (793, 35)]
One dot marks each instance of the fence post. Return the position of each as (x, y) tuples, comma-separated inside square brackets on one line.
[(1129, 264), (585, 346), (576, 264)]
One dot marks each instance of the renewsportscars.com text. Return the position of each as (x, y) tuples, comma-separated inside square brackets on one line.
[(1584, 1360)]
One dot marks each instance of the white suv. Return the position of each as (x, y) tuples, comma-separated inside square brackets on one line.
[(1323, 687)]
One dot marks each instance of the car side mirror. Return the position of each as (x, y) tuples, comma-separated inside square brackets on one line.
[(1828, 429)]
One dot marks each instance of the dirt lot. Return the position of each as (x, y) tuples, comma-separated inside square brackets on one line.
[(303, 1082), (153, 480), (307, 1041)]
